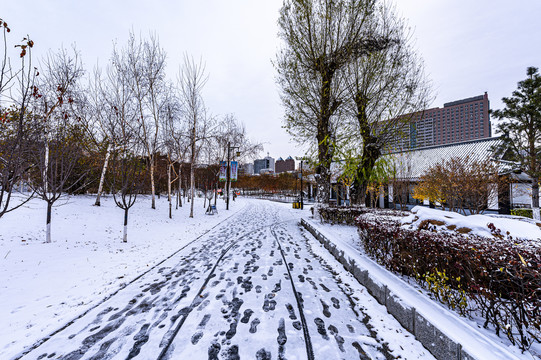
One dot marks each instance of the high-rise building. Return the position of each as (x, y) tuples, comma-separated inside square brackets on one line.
[(285, 165), (266, 163), (457, 121), (246, 169)]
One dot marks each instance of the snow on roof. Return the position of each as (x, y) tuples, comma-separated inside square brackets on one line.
[(413, 164)]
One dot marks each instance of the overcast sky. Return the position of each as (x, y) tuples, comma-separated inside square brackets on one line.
[(468, 47)]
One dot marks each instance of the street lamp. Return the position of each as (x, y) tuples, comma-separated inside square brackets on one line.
[(302, 193), (302, 159), (228, 182)]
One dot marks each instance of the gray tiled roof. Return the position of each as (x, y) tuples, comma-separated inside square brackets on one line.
[(414, 163)]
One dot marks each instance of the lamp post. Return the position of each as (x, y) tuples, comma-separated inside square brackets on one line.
[(302, 195), (302, 159), (228, 171)]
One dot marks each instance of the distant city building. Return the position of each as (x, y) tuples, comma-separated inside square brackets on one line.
[(266, 171), (246, 169), (285, 165), (457, 121), (265, 163)]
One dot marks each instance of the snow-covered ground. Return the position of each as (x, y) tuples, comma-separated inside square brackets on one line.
[(236, 291), (43, 286), (230, 290)]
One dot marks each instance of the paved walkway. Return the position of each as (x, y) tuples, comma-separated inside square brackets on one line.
[(252, 289)]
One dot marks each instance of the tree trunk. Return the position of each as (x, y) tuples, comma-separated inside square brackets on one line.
[(179, 195), (169, 190), (46, 167), (192, 188), (192, 175), (152, 184), (48, 230), (323, 136), (371, 151), (125, 238), (103, 171), (369, 157)]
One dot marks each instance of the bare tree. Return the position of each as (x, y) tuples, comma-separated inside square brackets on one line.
[(16, 89), (192, 79), (382, 87), (127, 167), (172, 138), (60, 146), (113, 110), (146, 69), (231, 130), (178, 144), (97, 120)]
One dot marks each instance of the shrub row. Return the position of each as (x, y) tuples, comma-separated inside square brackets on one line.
[(348, 215), (339, 215), (499, 279), (522, 212)]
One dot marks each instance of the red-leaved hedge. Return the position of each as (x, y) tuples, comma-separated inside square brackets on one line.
[(500, 277)]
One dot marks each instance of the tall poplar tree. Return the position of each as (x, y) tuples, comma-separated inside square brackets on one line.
[(320, 38)]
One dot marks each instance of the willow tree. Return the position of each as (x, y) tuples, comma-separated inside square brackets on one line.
[(321, 37), (385, 90)]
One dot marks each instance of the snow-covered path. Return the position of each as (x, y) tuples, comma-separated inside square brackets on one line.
[(253, 288)]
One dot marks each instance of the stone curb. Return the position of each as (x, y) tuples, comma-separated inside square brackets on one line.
[(433, 339)]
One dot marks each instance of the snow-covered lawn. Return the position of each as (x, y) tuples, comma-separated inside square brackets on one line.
[(44, 286)]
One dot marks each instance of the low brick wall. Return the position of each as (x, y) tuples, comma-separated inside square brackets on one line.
[(428, 334)]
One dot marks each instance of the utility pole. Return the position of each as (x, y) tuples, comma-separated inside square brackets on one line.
[(302, 199), (216, 192), (228, 175)]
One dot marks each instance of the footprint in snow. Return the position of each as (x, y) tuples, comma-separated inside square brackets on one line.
[(326, 311), (253, 325), (263, 354), (321, 328)]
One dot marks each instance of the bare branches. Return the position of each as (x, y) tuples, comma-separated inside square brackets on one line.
[(144, 64), (321, 39), (15, 131), (59, 142), (192, 79), (381, 88)]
